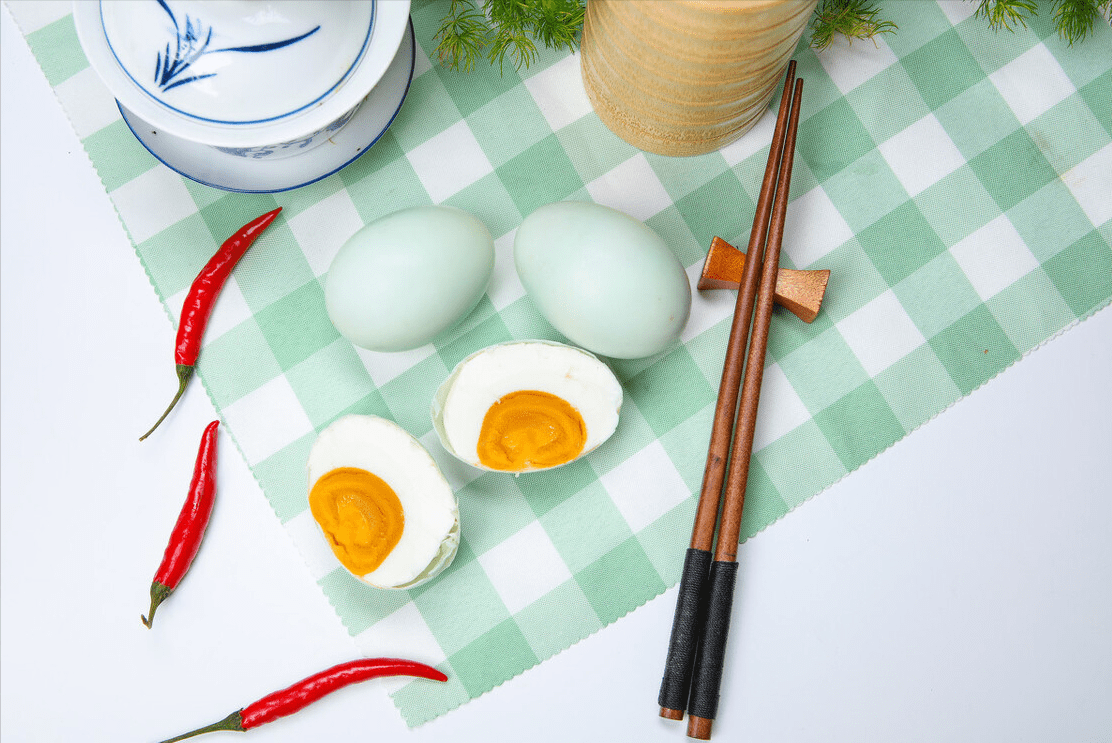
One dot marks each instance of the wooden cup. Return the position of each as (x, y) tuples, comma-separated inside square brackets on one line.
[(687, 77)]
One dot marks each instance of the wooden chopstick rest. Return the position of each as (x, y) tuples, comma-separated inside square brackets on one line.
[(799, 292)]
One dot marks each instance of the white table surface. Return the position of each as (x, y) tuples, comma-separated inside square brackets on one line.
[(871, 613)]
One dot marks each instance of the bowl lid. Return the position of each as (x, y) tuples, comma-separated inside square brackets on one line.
[(240, 72)]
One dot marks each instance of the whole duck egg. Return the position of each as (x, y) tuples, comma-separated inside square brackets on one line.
[(404, 279), (606, 281)]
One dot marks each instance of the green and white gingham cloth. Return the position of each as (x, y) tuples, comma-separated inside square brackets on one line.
[(955, 180)]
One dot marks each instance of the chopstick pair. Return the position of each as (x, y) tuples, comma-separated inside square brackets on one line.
[(696, 650)]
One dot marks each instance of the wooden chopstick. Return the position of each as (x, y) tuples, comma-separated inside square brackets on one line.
[(675, 685), (707, 674)]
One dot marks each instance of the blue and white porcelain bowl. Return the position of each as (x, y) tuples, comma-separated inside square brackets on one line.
[(254, 78)]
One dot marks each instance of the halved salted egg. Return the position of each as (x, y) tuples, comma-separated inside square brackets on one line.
[(381, 502), (523, 406)]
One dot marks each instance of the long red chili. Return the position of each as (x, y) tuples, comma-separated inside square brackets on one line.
[(185, 539), (305, 692), (202, 295)]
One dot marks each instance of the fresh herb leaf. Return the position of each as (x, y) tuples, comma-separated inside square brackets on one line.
[(1076, 18), (497, 30), (462, 36), (1006, 13), (854, 19), (506, 29)]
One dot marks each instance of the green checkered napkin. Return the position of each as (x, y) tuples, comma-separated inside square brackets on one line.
[(956, 181)]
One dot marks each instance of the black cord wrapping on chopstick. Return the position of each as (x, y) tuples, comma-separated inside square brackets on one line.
[(685, 628), (691, 601), (694, 592), (711, 655)]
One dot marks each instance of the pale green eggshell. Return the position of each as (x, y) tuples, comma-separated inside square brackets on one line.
[(404, 279), (606, 281)]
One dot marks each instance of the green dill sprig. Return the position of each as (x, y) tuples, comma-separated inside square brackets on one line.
[(1006, 14), (506, 29), (854, 19), (462, 36), (512, 24), (501, 30), (1076, 18)]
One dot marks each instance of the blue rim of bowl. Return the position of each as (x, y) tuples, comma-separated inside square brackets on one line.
[(279, 117), (363, 151)]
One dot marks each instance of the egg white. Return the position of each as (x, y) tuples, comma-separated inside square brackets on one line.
[(430, 536), (484, 377)]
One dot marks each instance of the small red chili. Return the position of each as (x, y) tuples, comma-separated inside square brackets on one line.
[(202, 295), (305, 692), (185, 540)]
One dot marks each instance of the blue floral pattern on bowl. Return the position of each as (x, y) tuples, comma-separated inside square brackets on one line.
[(248, 80), (284, 149), (189, 47), (184, 43)]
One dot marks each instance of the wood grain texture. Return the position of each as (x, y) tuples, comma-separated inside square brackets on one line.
[(799, 292), (687, 77), (706, 512), (733, 499)]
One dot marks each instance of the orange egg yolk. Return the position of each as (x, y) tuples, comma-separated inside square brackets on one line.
[(360, 515), (530, 430)]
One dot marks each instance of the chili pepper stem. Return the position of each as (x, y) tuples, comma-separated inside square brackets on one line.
[(159, 592), (232, 722), (185, 372)]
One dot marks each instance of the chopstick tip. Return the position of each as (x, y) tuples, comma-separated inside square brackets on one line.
[(699, 728)]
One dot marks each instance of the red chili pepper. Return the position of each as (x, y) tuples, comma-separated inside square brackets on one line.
[(202, 295), (189, 530), (309, 690)]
